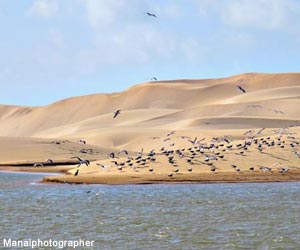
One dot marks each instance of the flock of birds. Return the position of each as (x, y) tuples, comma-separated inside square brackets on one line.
[(198, 153)]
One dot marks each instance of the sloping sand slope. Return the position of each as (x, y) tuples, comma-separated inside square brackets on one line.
[(195, 108)]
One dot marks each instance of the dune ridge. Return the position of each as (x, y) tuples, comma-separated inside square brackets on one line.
[(197, 108)]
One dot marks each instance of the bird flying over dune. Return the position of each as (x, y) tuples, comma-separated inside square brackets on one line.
[(116, 113), (240, 88)]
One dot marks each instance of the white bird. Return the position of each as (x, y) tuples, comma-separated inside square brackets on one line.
[(97, 194), (38, 164)]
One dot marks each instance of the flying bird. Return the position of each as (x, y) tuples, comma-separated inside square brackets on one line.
[(151, 14), (123, 151), (259, 132), (80, 161), (193, 141), (153, 79), (116, 113), (171, 133), (38, 164), (76, 173), (240, 88), (102, 166)]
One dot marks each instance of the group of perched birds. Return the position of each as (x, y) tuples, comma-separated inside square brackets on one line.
[(198, 153)]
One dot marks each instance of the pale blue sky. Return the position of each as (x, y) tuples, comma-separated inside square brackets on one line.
[(54, 49)]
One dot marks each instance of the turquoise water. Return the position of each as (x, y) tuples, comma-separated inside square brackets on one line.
[(189, 216)]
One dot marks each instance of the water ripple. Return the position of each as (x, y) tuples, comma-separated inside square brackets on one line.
[(211, 216)]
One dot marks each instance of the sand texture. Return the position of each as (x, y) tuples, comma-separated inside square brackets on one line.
[(174, 131)]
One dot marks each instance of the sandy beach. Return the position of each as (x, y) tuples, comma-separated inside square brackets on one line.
[(167, 132)]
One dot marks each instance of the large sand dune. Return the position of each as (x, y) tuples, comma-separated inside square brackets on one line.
[(204, 108)]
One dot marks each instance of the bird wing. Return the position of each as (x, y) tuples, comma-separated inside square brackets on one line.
[(75, 157)]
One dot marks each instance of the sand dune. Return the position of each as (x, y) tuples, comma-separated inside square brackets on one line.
[(203, 108), (158, 103)]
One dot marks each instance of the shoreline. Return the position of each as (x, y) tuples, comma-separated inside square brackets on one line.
[(59, 175), (202, 178)]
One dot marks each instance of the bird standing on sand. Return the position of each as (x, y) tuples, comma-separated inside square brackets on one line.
[(50, 161), (151, 14), (112, 155), (116, 113), (240, 88)]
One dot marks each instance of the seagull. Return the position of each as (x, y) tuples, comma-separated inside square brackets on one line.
[(50, 161), (112, 155), (140, 154), (249, 132), (171, 133), (116, 113), (97, 194), (259, 132), (38, 164), (102, 166), (76, 173), (153, 79), (284, 170), (193, 141), (155, 137), (86, 162), (151, 14), (123, 151), (277, 111), (254, 106), (240, 88), (226, 140)]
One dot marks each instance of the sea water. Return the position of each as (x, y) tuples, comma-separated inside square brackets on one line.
[(188, 216)]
